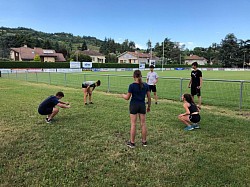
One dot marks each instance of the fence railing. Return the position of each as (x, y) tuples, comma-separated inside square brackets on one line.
[(234, 94)]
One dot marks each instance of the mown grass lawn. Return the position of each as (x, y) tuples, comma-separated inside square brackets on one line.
[(86, 145)]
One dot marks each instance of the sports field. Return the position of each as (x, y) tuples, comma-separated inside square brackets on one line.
[(228, 91), (86, 145)]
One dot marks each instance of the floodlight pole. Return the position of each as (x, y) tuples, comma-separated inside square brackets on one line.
[(162, 56), (244, 59)]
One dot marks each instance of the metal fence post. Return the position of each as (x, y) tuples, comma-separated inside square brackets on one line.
[(16, 74), (49, 78), (26, 76), (108, 83), (36, 78), (181, 90), (241, 93), (65, 79), (84, 77)]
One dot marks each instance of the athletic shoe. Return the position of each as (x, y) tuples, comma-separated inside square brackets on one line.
[(188, 128), (91, 103), (156, 103), (144, 144), (196, 126), (131, 145), (47, 120), (86, 103)]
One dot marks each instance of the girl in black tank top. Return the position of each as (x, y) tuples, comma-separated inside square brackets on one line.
[(191, 116)]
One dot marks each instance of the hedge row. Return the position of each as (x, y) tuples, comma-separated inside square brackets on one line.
[(95, 65)]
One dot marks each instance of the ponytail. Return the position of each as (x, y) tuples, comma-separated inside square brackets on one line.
[(140, 82), (137, 74)]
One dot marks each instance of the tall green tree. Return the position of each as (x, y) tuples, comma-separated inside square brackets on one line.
[(230, 55), (84, 46)]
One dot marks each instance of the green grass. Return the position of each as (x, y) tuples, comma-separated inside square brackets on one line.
[(85, 146), (216, 93)]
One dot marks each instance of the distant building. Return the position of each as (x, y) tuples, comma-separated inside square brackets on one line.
[(135, 58), (95, 55), (194, 58), (27, 54)]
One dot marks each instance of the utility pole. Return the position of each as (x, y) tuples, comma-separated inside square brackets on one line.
[(162, 56), (244, 59)]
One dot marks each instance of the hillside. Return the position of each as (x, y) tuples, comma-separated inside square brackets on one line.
[(63, 38)]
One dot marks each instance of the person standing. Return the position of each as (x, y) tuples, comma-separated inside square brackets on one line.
[(137, 90), (191, 114), (47, 107), (88, 87), (196, 83), (152, 79)]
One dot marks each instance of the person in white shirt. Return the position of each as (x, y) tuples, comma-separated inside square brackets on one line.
[(152, 79), (87, 88)]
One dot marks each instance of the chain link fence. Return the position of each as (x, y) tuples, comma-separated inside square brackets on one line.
[(234, 94)]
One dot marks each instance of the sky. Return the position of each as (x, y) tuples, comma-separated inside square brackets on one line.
[(194, 23)]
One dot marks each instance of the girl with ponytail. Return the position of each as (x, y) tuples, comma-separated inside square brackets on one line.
[(137, 91), (191, 114)]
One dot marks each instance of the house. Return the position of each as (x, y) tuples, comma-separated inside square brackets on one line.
[(194, 58), (27, 54), (135, 58), (95, 55)]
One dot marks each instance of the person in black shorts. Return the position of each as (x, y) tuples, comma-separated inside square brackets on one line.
[(196, 82), (47, 107), (191, 114), (152, 79), (137, 90), (87, 88)]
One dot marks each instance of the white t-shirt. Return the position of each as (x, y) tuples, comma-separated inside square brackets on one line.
[(152, 76)]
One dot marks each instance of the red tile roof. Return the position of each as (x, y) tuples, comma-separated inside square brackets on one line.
[(194, 57), (91, 53), (27, 53)]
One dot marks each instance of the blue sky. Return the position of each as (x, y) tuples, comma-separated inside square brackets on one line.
[(195, 23)]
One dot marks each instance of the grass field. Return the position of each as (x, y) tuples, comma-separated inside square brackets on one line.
[(170, 85), (85, 146)]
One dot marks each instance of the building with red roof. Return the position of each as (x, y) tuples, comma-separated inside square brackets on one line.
[(28, 54)]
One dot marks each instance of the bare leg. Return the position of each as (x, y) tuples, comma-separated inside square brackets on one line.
[(143, 127), (90, 94), (156, 97), (185, 120), (133, 119), (54, 112), (85, 95), (199, 101)]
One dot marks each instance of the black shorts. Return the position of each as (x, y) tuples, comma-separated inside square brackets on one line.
[(195, 91), (195, 118), (139, 108), (152, 88), (84, 86), (45, 111)]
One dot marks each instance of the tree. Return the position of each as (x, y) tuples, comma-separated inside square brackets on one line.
[(84, 46), (47, 45), (149, 46), (37, 58), (81, 57), (230, 54)]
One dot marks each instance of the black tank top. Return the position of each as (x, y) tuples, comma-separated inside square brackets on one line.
[(192, 108)]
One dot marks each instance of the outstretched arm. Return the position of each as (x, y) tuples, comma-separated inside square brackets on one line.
[(63, 105), (149, 101), (126, 96)]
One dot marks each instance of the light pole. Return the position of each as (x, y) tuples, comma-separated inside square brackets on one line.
[(244, 59), (162, 56)]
